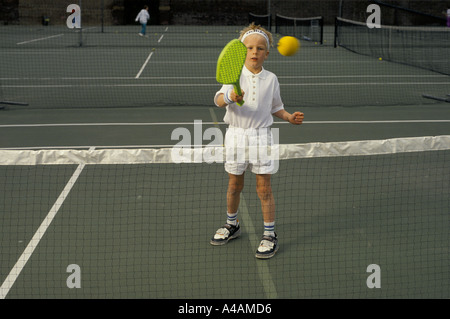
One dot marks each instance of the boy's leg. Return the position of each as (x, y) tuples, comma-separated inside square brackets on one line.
[(264, 190), (235, 186), (231, 229), (269, 243)]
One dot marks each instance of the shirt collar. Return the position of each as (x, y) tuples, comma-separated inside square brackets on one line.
[(262, 75)]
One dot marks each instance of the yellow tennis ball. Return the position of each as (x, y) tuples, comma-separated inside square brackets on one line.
[(288, 46)]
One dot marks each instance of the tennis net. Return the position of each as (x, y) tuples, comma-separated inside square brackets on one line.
[(107, 64), (264, 20), (424, 47), (310, 29), (138, 225)]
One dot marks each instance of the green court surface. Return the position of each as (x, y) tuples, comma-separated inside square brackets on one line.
[(143, 230)]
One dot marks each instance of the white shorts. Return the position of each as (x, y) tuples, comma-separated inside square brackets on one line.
[(248, 148)]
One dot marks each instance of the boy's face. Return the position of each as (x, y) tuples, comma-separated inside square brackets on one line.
[(257, 52)]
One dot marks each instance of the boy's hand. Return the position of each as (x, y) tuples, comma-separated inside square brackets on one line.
[(237, 98), (296, 118)]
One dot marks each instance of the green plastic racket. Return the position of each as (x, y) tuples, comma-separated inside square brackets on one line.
[(230, 63)]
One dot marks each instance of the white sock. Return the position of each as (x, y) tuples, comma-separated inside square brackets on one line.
[(232, 219), (269, 229)]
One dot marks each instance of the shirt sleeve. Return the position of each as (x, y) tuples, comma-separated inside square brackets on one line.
[(277, 103)]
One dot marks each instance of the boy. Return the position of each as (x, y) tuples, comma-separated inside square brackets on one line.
[(250, 121), (143, 17)]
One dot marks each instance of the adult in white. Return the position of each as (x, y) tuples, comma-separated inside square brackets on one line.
[(143, 17)]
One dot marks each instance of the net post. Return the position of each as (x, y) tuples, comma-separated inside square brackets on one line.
[(335, 31), (102, 5), (276, 24), (295, 28), (321, 23), (81, 27), (390, 42)]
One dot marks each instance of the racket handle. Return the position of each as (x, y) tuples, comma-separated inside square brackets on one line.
[(239, 92)]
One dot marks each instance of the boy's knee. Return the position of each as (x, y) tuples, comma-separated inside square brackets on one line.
[(234, 189), (264, 192)]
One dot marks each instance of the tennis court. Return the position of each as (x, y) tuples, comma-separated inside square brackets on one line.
[(142, 230)]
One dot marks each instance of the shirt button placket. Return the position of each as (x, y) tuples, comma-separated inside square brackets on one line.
[(254, 88)]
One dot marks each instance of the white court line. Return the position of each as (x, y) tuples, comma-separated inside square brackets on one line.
[(368, 76), (111, 78), (31, 86), (78, 147), (261, 265), (148, 59), (371, 122), (212, 77), (41, 39), (109, 85), (144, 65), (263, 269), (274, 62), (364, 83), (34, 242), (216, 123)]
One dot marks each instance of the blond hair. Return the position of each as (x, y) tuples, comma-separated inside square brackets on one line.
[(252, 26)]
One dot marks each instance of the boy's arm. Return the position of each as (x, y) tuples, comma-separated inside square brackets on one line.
[(294, 118), (220, 101)]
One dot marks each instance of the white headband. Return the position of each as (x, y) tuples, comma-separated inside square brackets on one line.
[(259, 32)]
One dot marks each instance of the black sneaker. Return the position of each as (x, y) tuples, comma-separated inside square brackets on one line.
[(225, 233), (268, 247)]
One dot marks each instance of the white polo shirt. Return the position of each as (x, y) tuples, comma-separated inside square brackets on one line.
[(262, 99)]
